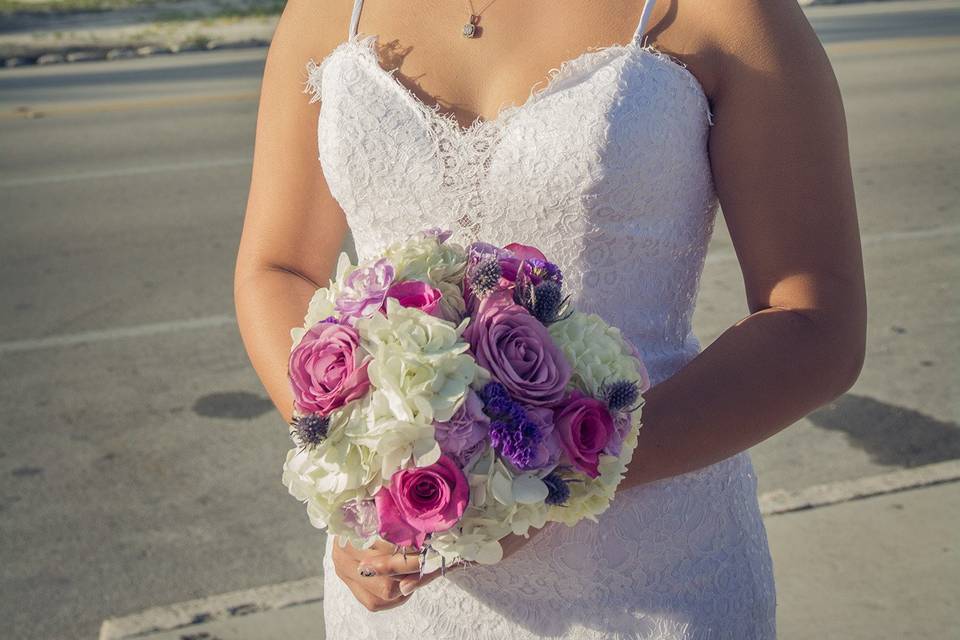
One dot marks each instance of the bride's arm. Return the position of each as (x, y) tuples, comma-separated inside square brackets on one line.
[(292, 233), (780, 162), (293, 228)]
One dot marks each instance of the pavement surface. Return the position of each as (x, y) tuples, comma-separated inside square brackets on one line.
[(139, 456), (880, 567)]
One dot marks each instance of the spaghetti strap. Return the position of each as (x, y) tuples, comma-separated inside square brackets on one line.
[(644, 16), (355, 18)]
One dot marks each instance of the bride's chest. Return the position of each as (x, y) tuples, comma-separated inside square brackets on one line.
[(617, 112)]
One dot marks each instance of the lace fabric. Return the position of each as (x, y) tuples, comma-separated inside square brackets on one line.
[(605, 169)]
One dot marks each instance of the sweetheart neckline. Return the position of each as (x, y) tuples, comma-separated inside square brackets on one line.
[(364, 44)]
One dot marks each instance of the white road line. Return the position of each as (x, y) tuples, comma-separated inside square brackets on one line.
[(27, 181), (222, 320), (116, 333), (866, 240)]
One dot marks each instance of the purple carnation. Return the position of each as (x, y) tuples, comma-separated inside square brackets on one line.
[(364, 289), (522, 435), (361, 516)]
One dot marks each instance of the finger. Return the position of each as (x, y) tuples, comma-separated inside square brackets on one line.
[(408, 585), (396, 564)]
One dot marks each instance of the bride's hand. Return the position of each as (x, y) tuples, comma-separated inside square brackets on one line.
[(374, 574)]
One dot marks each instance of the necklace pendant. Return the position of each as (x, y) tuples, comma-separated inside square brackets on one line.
[(470, 30)]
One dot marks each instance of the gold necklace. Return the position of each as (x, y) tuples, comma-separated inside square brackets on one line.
[(472, 29)]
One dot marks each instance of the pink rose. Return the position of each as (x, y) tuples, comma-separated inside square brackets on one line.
[(421, 500), (585, 427), (415, 294), (517, 350), (514, 256), (328, 368)]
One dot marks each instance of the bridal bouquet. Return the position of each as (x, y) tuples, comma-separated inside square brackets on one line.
[(447, 396)]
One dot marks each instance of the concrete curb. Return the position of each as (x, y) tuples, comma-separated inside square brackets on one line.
[(777, 502), (220, 607), (184, 615)]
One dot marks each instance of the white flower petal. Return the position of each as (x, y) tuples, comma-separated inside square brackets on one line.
[(529, 489)]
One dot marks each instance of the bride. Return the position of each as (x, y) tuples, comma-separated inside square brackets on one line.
[(425, 113)]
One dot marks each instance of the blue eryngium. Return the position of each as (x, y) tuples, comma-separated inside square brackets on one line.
[(620, 395), (557, 490), (310, 430), (485, 275)]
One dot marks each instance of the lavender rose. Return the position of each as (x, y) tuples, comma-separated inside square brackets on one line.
[(585, 427), (517, 350), (327, 369), (464, 435), (421, 500)]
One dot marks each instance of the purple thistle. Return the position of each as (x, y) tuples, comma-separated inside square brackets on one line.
[(485, 275), (543, 300), (557, 490), (620, 395), (310, 430)]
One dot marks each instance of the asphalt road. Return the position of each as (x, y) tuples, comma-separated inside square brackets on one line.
[(139, 456)]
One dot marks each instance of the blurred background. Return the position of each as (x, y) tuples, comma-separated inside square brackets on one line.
[(140, 457)]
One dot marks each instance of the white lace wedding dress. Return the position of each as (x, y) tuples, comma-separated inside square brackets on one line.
[(605, 169)]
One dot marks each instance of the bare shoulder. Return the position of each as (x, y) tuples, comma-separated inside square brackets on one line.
[(306, 29), (732, 43)]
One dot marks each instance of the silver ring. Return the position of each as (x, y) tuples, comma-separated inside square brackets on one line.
[(366, 572)]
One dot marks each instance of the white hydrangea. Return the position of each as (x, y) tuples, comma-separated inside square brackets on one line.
[(337, 470), (394, 440), (596, 350), (422, 257), (420, 372), (420, 363)]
